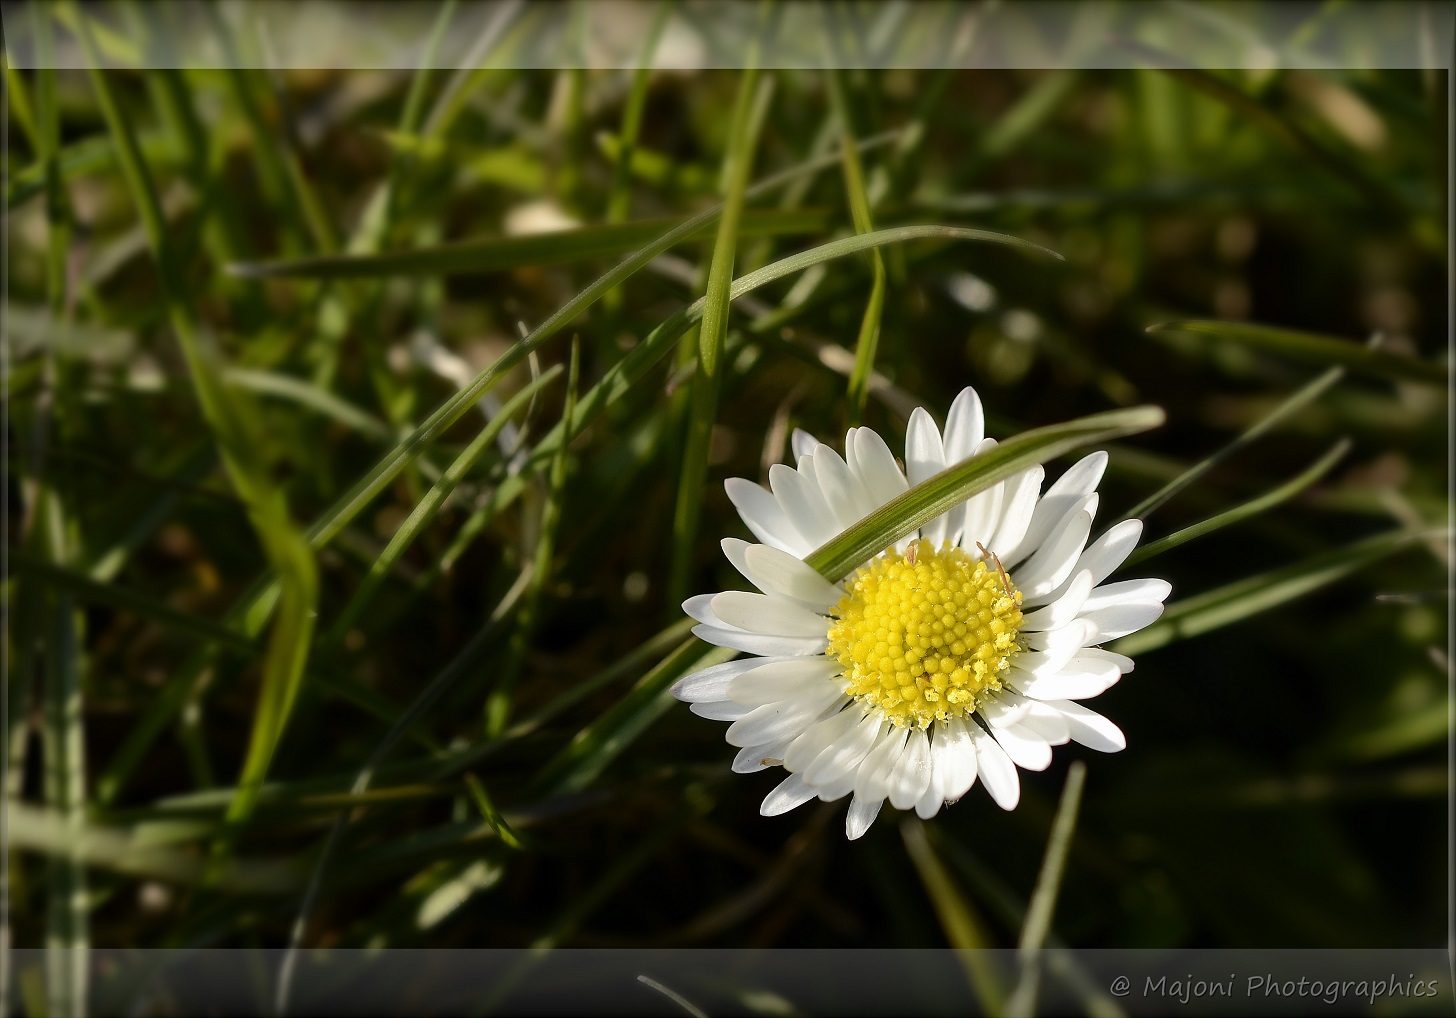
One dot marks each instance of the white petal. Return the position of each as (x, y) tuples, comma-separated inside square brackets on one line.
[(781, 722), (759, 643), (911, 775), (803, 443), (1053, 561), (1058, 642), (790, 792), (871, 459), (965, 427), (752, 759), (1024, 747), (1121, 619), (1110, 550), (775, 571), (924, 458), (931, 800), (843, 756), (699, 607), (803, 503), (712, 684), (981, 512), (954, 755), (1064, 609), (999, 712), (1123, 662), (1058, 502), (1059, 686), (1048, 723), (784, 680), (862, 813), (762, 514), (720, 711), (764, 613), (847, 498), (995, 768), (873, 779), (1018, 501), (1128, 592), (819, 736), (1090, 728)]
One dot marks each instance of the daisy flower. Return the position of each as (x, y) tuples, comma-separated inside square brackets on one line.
[(961, 652)]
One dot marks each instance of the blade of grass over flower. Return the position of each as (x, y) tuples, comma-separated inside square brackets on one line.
[(952, 486), (1297, 401), (964, 928), (748, 111), (1022, 1002), (498, 702), (1238, 514), (437, 687), (285, 548), (252, 610), (859, 205), (1315, 349), (424, 512), (501, 254), (1241, 599)]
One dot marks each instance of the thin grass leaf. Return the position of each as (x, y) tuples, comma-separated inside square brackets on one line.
[(424, 512), (1316, 349), (748, 109), (1034, 932), (503, 254), (312, 396), (1241, 599), (952, 486), (498, 703), (964, 928), (1238, 514), (859, 203)]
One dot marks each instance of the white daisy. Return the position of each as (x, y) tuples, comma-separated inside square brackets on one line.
[(959, 653)]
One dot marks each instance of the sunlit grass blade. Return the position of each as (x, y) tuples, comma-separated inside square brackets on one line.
[(952, 486), (500, 254), (712, 332), (312, 396), (1256, 594), (1315, 349), (964, 927), (425, 511), (1297, 401), (1264, 502), (1038, 925)]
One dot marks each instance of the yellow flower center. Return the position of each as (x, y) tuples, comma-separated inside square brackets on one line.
[(923, 635)]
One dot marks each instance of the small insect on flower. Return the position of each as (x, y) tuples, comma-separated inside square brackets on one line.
[(960, 652)]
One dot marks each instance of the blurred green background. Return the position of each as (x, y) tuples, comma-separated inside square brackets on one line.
[(176, 426)]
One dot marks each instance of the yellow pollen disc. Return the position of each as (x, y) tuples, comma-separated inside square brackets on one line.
[(924, 635)]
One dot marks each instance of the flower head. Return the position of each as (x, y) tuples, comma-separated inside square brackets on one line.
[(960, 652)]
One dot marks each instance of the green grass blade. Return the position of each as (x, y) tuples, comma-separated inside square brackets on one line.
[(713, 331), (502, 254), (1247, 597), (964, 928), (859, 205), (312, 396), (1301, 398), (1315, 349), (1034, 932), (498, 703), (952, 486), (1238, 514)]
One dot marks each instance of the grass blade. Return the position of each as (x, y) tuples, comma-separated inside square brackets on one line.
[(712, 333), (1238, 514), (1239, 600), (952, 486), (1315, 349), (1022, 1002)]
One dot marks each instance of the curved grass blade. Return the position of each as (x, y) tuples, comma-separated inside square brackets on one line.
[(312, 396), (1266, 501), (952, 486), (1241, 599), (1315, 349)]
